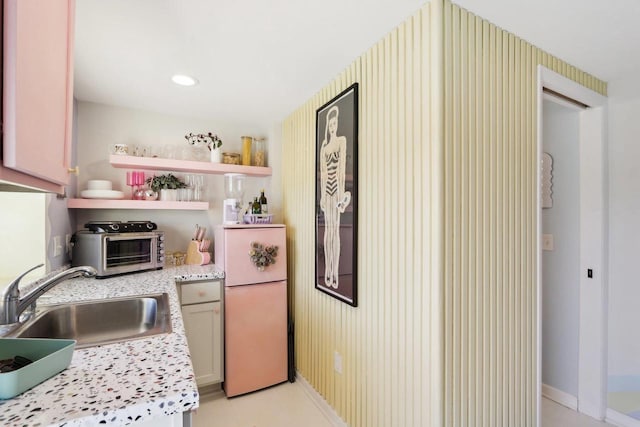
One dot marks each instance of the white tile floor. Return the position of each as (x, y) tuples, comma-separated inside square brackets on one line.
[(556, 415), (284, 405), (288, 405)]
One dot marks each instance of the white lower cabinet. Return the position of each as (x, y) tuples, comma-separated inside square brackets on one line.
[(202, 316)]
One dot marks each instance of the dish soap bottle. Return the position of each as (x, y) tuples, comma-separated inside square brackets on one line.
[(263, 203)]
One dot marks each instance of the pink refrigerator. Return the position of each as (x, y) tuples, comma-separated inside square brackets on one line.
[(255, 306)]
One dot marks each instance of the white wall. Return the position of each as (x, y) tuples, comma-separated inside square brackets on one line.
[(99, 126), (22, 235), (624, 227), (561, 267)]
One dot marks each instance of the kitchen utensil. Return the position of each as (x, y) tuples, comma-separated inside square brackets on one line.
[(195, 256), (204, 245), (201, 233)]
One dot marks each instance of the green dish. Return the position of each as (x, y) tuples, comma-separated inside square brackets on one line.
[(49, 358)]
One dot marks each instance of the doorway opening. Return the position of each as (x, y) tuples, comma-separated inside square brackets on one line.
[(576, 270)]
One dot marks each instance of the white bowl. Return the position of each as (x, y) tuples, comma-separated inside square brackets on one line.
[(102, 194), (99, 184)]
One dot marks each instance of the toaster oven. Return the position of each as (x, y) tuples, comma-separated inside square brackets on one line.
[(114, 247)]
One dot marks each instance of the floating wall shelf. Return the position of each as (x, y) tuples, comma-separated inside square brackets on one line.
[(135, 204), (160, 164)]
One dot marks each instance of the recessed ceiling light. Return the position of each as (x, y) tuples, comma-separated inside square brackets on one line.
[(183, 80)]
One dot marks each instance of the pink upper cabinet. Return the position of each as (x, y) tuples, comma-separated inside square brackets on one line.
[(238, 267), (38, 87)]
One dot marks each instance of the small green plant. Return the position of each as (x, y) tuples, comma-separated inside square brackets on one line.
[(167, 181)]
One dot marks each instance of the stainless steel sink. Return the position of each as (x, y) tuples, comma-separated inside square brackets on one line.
[(94, 323)]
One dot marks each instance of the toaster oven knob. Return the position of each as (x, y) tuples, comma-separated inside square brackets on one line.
[(114, 227), (161, 251), (161, 259), (149, 226), (161, 244), (161, 237)]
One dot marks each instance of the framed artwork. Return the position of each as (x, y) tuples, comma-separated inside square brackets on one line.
[(337, 196)]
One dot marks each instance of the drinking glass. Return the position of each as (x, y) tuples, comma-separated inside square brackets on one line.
[(137, 180), (130, 182), (169, 151), (198, 188)]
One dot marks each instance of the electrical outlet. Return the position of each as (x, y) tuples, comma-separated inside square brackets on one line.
[(337, 362), (547, 242), (57, 246), (67, 243)]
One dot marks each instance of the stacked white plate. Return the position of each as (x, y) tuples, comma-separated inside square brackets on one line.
[(101, 189)]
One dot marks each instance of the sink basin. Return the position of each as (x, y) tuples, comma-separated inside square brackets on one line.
[(93, 323)]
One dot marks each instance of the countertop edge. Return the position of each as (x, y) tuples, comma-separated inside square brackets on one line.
[(122, 383)]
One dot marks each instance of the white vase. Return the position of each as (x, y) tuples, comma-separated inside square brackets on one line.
[(168, 195), (216, 155)]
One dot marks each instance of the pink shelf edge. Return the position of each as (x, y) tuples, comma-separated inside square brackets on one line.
[(156, 163), (134, 204)]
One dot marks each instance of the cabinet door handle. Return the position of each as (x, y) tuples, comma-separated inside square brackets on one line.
[(74, 171), (202, 293)]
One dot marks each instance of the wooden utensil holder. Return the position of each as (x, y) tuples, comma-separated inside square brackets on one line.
[(195, 256)]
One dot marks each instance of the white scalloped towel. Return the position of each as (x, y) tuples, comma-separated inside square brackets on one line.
[(546, 181)]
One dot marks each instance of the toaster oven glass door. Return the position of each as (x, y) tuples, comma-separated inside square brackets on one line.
[(128, 251)]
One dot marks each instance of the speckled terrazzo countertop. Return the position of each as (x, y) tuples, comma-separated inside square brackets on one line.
[(116, 384)]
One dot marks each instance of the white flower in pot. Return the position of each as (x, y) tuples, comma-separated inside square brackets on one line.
[(212, 141)]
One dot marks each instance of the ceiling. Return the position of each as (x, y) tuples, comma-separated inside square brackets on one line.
[(257, 61)]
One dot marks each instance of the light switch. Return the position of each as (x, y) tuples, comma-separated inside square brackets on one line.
[(547, 242)]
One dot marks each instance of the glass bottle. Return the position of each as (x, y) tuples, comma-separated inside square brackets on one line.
[(263, 203), (255, 208)]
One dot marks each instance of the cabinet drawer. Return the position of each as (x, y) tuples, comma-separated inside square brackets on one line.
[(198, 292)]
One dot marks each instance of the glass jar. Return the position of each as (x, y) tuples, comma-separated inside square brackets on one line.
[(246, 150), (179, 258), (259, 154), (169, 260)]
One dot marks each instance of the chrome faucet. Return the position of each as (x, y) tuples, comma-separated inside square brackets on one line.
[(12, 306)]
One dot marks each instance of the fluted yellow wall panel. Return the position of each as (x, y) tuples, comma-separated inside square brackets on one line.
[(489, 220), (385, 341), (445, 329)]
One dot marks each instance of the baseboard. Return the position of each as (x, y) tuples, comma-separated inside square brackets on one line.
[(561, 397), (211, 392), (590, 409), (621, 420), (330, 414)]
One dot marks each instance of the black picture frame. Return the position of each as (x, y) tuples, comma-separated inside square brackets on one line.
[(336, 210)]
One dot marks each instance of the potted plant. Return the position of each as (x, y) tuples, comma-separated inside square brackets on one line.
[(166, 185), (212, 141)]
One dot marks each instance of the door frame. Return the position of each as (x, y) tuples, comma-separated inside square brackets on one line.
[(592, 357)]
